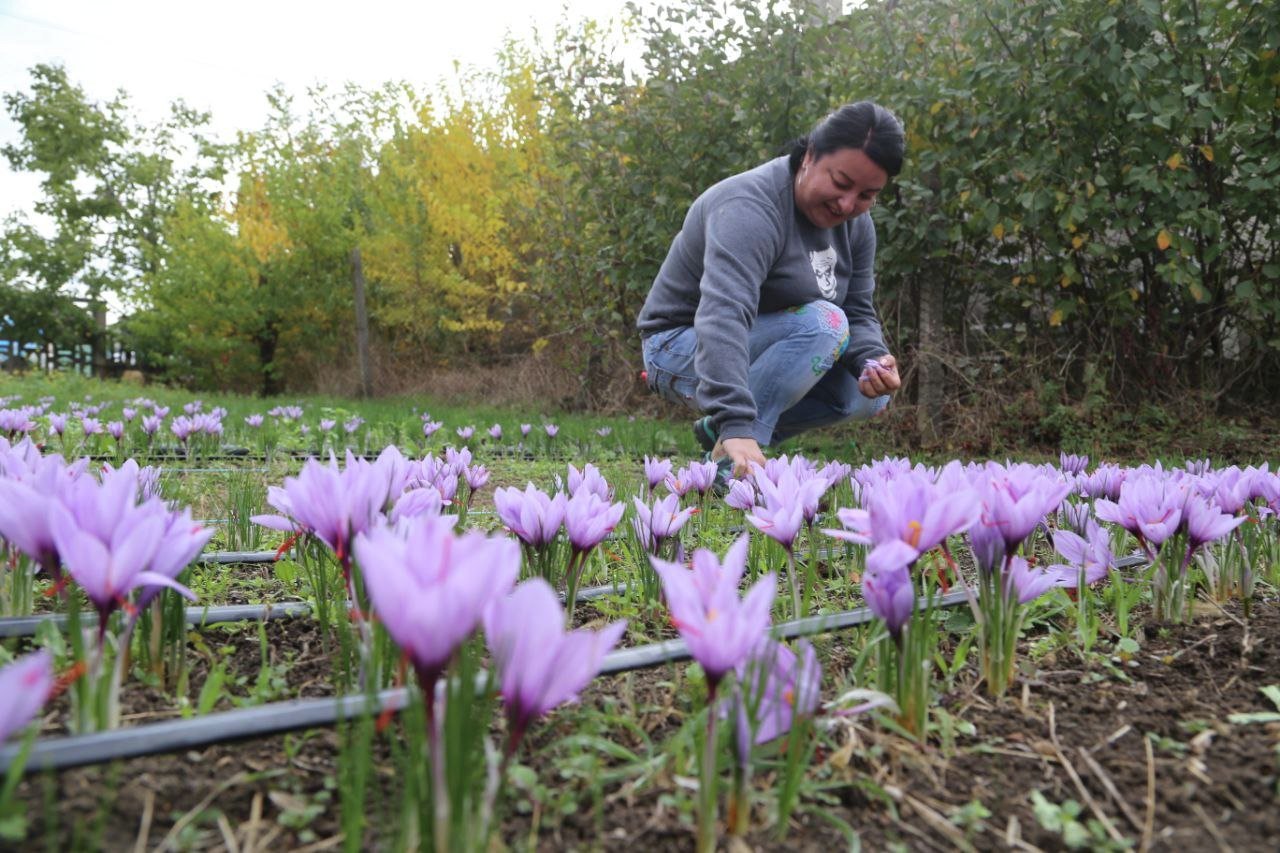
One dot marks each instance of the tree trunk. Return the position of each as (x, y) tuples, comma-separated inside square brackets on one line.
[(362, 325), (930, 388)]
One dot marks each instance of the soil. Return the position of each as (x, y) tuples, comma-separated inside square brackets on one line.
[(1145, 748)]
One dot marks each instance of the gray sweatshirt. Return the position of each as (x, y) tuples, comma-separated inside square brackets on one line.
[(745, 249)]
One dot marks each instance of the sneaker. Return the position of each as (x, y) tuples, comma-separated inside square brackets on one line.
[(704, 433)]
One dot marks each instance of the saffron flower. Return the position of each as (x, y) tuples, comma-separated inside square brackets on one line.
[(889, 593), (495, 432), (465, 432), (429, 428), (741, 495), (25, 685), (332, 504), (777, 687), (540, 665), (551, 429), (525, 430), (1206, 522), (352, 424), (589, 479), (654, 525), (532, 515), (430, 586), (656, 471), (719, 628), (1149, 508), (327, 424), (1090, 557), (254, 421)]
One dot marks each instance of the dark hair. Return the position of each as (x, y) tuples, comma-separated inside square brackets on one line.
[(865, 126)]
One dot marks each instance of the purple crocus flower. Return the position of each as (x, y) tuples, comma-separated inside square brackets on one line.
[(254, 420), (888, 591), (1149, 508), (1104, 482), (327, 424), (656, 471), (465, 432), (540, 665), (430, 587), (741, 495), (525, 429), (1076, 516), (128, 413), (109, 567), (116, 430), (182, 427), (193, 407), (788, 488), (719, 628), (476, 476), (495, 432), (1091, 555), (1017, 498), (91, 426), (778, 686), (180, 543), (57, 424), (24, 522), (1073, 464), (429, 428), (551, 429), (424, 500), (604, 431), (589, 479), (912, 510), (588, 520), (1206, 522), (701, 476), (655, 525), (331, 504), (25, 685), (160, 411), (532, 515), (352, 424), (151, 424), (678, 483), (1028, 583), (780, 521)]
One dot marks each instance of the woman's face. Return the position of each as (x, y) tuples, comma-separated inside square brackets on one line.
[(837, 186)]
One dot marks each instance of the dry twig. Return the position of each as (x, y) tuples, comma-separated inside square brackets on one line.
[(144, 827), (1075, 778), (1101, 775), (1149, 825)]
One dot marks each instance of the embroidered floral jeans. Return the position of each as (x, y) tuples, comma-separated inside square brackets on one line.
[(792, 353)]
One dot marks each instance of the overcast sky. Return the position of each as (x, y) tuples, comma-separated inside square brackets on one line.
[(223, 56)]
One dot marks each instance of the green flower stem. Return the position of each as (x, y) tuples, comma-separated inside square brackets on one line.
[(707, 786)]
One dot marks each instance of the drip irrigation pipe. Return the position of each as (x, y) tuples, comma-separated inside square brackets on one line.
[(280, 717), (26, 626)]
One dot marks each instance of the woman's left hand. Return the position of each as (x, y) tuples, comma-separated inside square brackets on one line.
[(879, 377)]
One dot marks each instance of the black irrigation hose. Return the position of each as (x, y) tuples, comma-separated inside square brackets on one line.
[(26, 626), (280, 717)]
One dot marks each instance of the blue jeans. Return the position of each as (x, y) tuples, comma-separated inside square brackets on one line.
[(792, 354)]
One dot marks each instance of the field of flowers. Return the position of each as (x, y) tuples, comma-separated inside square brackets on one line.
[(303, 627)]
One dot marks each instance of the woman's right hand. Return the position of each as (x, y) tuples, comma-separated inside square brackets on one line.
[(743, 451)]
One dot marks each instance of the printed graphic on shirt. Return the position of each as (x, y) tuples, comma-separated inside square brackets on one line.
[(824, 270)]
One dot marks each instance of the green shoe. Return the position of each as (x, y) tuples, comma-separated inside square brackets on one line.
[(704, 433)]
